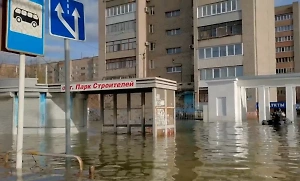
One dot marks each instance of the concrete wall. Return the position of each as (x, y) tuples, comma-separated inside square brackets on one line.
[(227, 90), (6, 114), (55, 106), (42, 114)]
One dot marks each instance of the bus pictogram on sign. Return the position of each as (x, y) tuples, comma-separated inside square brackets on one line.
[(26, 16)]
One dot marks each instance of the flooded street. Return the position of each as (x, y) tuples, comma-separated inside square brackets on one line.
[(201, 151)]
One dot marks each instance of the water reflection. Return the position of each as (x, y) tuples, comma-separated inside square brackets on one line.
[(223, 148), (200, 151), (135, 158)]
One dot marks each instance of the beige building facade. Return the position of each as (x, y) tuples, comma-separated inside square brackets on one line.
[(233, 38), (187, 41), (84, 69), (190, 41), (146, 39), (287, 29)]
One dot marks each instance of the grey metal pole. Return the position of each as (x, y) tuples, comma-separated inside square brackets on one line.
[(67, 96), (21, 112)]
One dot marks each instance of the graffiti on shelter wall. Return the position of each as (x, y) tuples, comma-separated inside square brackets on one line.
[(159, 102), (160, 117)]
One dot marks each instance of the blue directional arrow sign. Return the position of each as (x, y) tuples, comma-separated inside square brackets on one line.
[(67, 19), (25, 26)]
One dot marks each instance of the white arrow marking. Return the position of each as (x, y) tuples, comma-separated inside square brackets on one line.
[(75, 14), (68, 6)]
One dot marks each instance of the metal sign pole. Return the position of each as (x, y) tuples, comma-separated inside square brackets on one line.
[(21, 112), (67, 96)]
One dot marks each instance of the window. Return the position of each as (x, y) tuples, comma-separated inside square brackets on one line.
[(151, 46), (216, 51), (282, 17), (284, 59), (284, 70), (121, 45), (208, 73), (24, 13), (121, 27), (223, 7), (173, 32), (284, 28), (208, 52), (201, 53), (151, 64), (284, 38), (230, 49), (216, 72), (218, 8), (202, 74), (173, 50), (231, 72), (170, 14), (239, 71), (284, 49), (18, 11), (221, 51), (151, 28), (152, 10), (220, 30), (29, 14), (121, 9), (221, 72), (238, 49), (281, 91), (174, 69), (224, 72), (121, 63)]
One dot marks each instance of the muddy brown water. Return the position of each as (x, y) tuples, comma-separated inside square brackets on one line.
[(200, 151)]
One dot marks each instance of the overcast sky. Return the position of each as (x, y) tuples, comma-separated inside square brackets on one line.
[(54, 46)]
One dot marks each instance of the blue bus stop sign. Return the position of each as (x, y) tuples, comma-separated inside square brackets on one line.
[(25, 27)]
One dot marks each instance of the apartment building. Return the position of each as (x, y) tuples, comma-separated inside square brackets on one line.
[(287, 26), (147, 38), (84, 69), (8, 70), (120, 47), (233, 38), (170, 37)]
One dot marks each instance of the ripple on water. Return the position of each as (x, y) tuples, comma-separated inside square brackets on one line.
[(200, 151)]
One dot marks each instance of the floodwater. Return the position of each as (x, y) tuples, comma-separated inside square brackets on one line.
[(200, 151)]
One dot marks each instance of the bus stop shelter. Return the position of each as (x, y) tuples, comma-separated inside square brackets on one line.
[(163, 101), (227, 97)]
